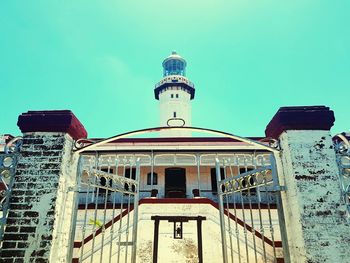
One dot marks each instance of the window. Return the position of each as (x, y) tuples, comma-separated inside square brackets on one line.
[(149, 179), (172, 96), (131, 172), (214, 186), (244, 170), (174, 114), (177, 96)]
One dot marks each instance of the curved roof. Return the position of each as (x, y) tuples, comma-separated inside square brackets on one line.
[(174, 56)]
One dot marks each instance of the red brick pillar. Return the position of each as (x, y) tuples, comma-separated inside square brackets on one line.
[(315, 217), (42, 200)]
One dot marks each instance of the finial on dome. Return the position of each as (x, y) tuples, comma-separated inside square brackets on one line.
[(174, 52)]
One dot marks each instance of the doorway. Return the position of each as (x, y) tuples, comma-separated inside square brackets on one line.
[(175, 183)]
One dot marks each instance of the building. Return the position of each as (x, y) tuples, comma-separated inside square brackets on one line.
[(176, 198), (174, 92)]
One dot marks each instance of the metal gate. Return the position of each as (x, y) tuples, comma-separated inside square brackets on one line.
[(107, 217), (247, 221), (8, 164), (246, 193)]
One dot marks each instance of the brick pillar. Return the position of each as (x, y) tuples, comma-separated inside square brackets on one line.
[(315, 217), (42, 201)]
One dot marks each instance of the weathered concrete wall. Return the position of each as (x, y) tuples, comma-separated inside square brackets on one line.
[(39, 196), (314, 214)]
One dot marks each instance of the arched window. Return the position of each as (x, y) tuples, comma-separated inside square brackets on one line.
[(149, 179)]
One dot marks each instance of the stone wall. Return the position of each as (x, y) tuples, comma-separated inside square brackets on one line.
[(318, 229), (36, 190), (315, 228)]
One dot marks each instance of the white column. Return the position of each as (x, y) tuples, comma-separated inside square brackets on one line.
[(315, 216), (42, 206)]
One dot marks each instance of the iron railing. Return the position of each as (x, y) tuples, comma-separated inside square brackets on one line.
[(199, 164), (8, 164), (342, 150), (243, 222), (105, 230)]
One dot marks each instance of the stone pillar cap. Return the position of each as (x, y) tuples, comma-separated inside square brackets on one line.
[(52, 121), (300, 118)]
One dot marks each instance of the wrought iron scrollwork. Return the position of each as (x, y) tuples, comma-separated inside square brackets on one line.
[(248, 180), (8, 163), (118, 183), (7, 170), (80, 143), (273, 143), (342, 150), (14, 145)]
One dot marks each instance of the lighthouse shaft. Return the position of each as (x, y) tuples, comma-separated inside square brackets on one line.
[(175, 110)]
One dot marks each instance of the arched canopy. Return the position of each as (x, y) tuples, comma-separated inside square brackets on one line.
[(93, 145)]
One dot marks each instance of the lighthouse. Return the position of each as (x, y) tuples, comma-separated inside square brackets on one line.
[(174, 92)]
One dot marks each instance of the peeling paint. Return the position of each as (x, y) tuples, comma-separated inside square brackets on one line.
[(315, 217)]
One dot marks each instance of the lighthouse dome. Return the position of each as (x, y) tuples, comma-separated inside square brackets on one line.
[(174, 65)]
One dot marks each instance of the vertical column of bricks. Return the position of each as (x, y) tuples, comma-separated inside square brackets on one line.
[(45, 170), (28, 234)]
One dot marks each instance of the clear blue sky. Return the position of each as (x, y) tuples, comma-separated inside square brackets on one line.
[(101, 60)]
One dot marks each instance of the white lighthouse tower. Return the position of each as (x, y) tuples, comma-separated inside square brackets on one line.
[(174, 93)]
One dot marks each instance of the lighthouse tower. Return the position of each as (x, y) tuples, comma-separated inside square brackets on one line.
[(174, 93)]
